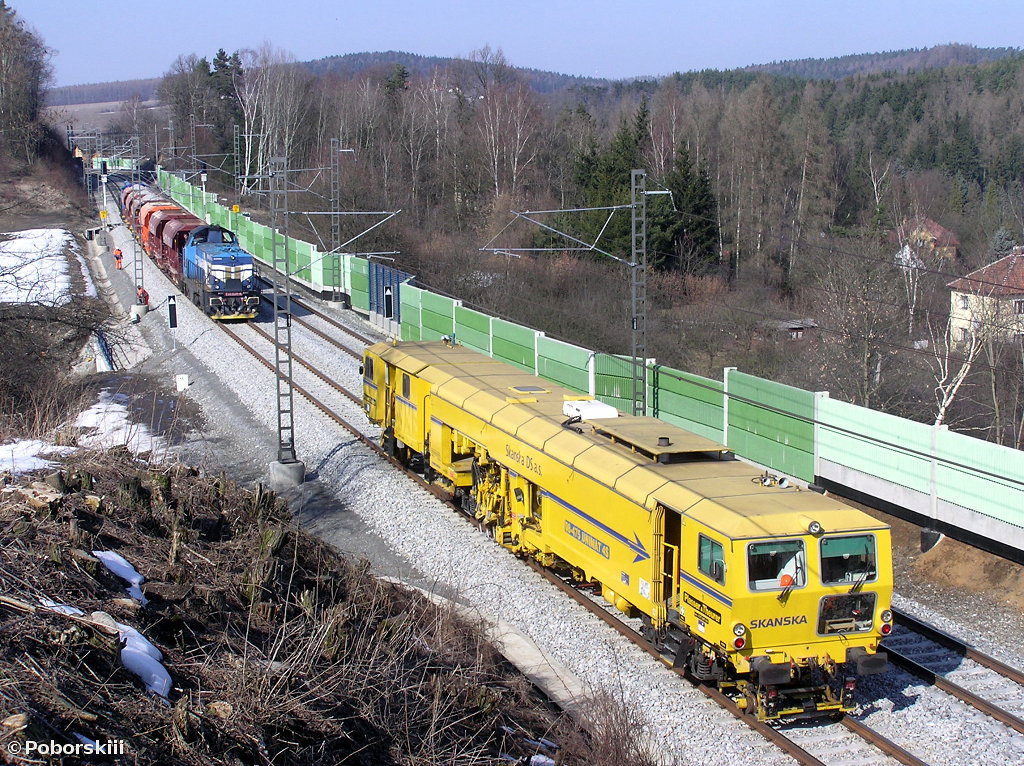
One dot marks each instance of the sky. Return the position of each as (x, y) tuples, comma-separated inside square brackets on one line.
[(103, 40)]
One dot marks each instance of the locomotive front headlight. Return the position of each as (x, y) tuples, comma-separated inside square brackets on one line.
[(739, 629), (887, 616), (814, 528)]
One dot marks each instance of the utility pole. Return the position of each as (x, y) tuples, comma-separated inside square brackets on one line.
[(334, 267), (137, 254), (288, 469), (638, 289)]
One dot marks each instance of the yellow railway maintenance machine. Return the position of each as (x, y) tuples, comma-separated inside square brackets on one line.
[(777, 594)]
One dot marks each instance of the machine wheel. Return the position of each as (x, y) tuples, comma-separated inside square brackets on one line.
[(751, 698)]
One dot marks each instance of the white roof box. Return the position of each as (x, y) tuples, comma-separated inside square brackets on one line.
[(588, 409)]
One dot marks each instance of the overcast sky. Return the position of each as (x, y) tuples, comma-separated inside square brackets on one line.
[(101, 40)]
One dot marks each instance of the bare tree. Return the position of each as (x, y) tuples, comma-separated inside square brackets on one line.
[(952, 363), (507, 125), (24, 74), (185, 88), (858, 304), (666, 128), (273, 95), (415, 136)]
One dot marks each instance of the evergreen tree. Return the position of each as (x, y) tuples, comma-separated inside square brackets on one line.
[(225, 74), (685, 238), (1002, 243), (604, 179)]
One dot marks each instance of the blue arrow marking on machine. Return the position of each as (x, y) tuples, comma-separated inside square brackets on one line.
[(634, 545)]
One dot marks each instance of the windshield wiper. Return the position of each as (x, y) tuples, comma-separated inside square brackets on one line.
[(869, 565)]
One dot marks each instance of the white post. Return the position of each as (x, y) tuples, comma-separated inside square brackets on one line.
[(818, 396), (725, 404)]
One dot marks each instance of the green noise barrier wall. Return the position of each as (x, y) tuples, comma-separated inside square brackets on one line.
[(689, 401), (770, 423), (563, 363), (473, 329), (952, 478), (514, 344), (437, 316), (412, 321), (613, 381)]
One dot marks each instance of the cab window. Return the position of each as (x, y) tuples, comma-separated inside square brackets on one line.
[(776, 564), (405, 385), (711, 559), (368, 368), (847, 560)]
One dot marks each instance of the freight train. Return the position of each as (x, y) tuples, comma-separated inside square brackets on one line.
[(205, 262), (777, 594)]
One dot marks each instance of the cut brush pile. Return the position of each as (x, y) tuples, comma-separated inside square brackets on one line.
[(279, 650)]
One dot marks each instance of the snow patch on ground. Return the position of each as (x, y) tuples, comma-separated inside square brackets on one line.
[(107, 424), (120, 566), (104, 425), (27, 455), (35, 269)]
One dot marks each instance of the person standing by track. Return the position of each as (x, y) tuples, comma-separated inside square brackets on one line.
[(118, 259)]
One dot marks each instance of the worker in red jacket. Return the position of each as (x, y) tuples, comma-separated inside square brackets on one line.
[(142, 296), (118, 259)]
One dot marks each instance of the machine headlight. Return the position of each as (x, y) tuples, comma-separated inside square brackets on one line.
[(887, 616), (739, 629)]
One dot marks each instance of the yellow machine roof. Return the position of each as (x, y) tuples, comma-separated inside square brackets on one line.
[(645, 459)]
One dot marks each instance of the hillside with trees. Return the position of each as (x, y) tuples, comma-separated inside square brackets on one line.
[(912, 60), (103, 92), (785, 191)]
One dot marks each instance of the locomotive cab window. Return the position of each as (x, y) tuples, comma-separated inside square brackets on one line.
[(406, 386), (776, 564), (711, 559), (368, 368), (848, 560)]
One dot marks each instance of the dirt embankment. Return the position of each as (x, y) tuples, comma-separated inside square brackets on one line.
[(44, 194)]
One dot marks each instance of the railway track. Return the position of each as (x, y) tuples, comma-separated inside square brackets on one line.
[(930, 654), (331, 321), (820, 743)]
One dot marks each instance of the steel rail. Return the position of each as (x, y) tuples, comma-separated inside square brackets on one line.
[(960, 647), (316, 331), (884, 744), (941, 682), (317, 312), (323, 377), (770, 733), (302, 391)]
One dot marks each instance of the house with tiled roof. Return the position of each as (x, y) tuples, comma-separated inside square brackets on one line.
[(991, 297), (926, 238)]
